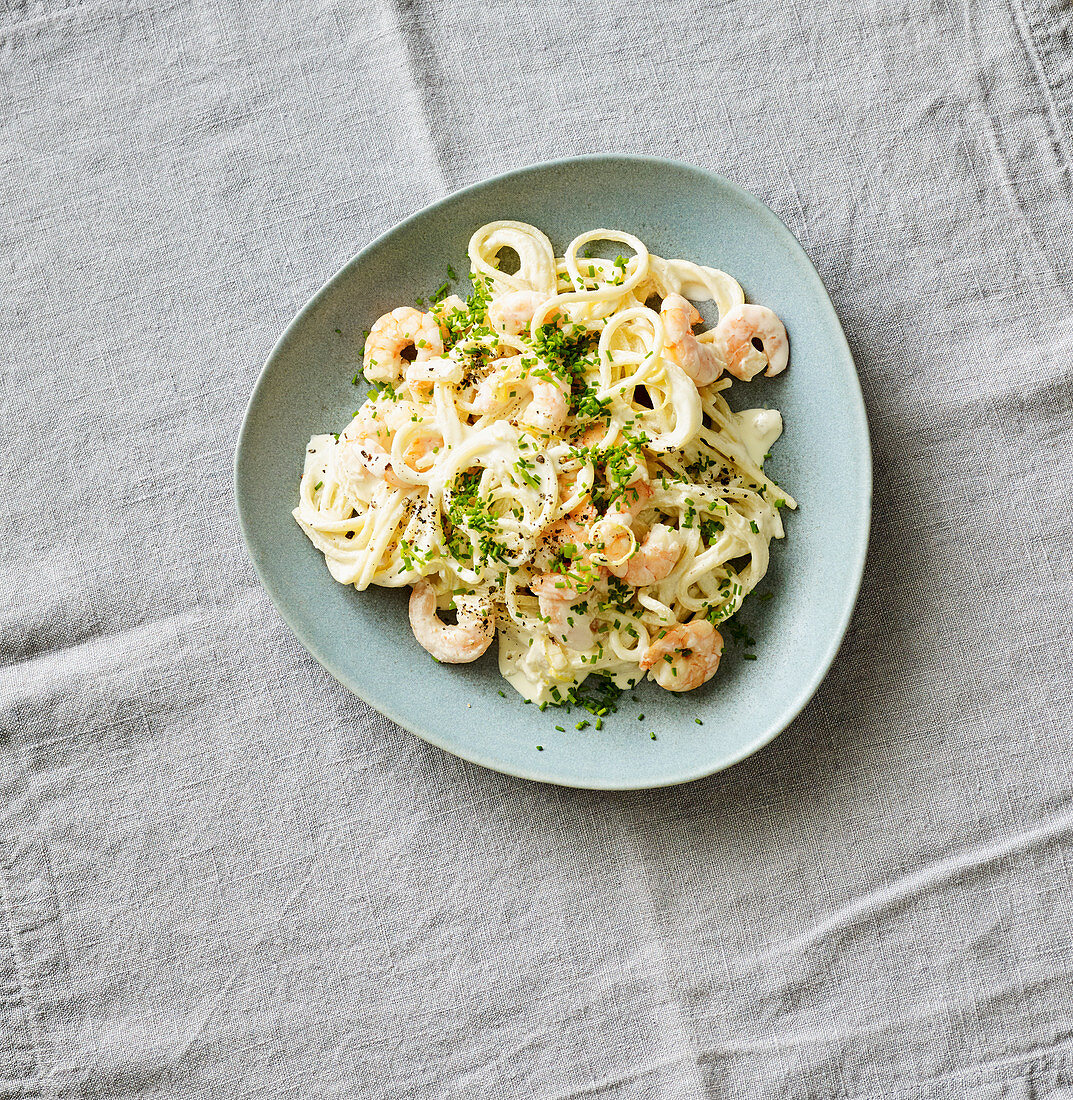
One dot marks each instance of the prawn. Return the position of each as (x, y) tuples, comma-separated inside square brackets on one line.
[(570, 535), (556, 596), (654, 560), (448, 313), (422, 375), (732, 347), (636, 494), (612, 534), (446, 306), (685, 656), (548, 405), (392, 334), (366, 442), (548, 409), (458, 644), (740, 329), (702, 362), (637, 562), (368, 438), (512, 313)]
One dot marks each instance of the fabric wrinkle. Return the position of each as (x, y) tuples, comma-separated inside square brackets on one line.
[(223, 875)]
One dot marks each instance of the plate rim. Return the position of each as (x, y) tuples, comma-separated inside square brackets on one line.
[(837, 637)]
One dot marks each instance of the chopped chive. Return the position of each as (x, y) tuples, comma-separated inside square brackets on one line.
[(317, 486), (653, 736), (560, 729), (698, 721), (540, 748), (749, 656)]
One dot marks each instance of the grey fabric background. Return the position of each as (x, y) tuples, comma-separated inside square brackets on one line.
[(221, 875)]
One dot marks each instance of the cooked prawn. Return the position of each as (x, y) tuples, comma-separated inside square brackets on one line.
[(572, 528), (614, 541), (370, 454), (556, 586), (702, 362), (557, 596), (613, 532), (513, 313), (423, 374), (573, 532), (634, 559), (654, 560), (458, 644), (685, 656), (367, 441), (548, 406), (392, 334), (446, 306), (449, 313), (738, 333), (547, 411), (733, 346), (593, 435), (636, 494)]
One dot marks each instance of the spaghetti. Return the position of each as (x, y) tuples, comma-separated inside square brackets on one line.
[(554, 460)]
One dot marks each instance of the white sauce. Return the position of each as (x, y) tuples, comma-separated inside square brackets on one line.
[(531, 669), (759, 428)]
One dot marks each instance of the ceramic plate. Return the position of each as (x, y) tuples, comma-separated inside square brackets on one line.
[(822, 459)]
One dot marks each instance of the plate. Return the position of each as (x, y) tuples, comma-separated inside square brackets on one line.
[(823, 459)]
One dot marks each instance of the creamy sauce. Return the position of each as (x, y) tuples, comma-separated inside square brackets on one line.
[(526, 671), (534, 670), (759, 428)]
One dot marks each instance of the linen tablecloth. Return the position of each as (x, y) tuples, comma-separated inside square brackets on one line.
[(222, 875)]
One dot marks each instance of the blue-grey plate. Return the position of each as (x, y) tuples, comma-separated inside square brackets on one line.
[(823, 460)]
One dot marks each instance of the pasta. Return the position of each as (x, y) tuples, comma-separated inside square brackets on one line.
[(554, 460)]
